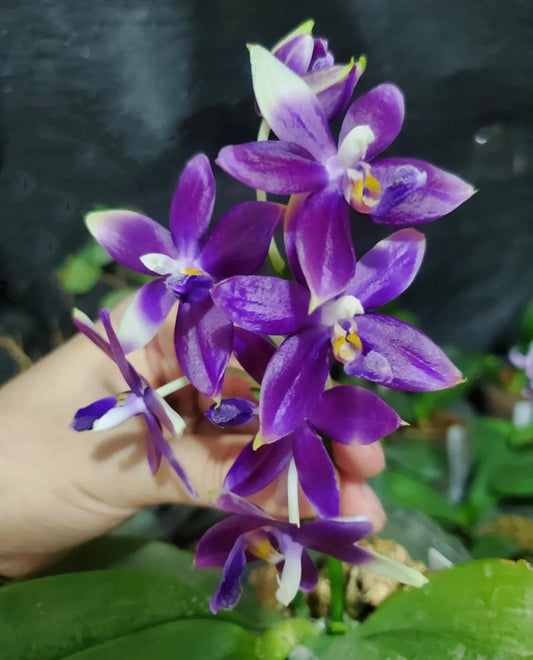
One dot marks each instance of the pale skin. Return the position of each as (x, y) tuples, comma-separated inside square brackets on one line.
[(59, 488)]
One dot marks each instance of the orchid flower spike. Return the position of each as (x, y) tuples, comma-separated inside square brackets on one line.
[(140, 399)]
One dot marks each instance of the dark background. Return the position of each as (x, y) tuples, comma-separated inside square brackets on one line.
[(102, 102)]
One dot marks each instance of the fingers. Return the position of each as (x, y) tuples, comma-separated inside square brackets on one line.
[(359, 462), (358, 499)]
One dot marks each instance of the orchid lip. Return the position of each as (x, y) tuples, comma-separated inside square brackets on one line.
[(128, 405)]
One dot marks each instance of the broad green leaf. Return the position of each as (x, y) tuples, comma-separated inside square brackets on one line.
[(56, 616), (187, 640), (513, 477), (479, 610), (402, 491), (129, 553)]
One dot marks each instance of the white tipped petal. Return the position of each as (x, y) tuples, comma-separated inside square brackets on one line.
[(291, 576), (394, 569)]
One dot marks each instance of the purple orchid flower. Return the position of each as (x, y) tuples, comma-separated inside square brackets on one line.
[(251, 534), (141, 399), (396, 191), (525, 362), (346, 414), (310, 58), (370, 345), (187, 264)]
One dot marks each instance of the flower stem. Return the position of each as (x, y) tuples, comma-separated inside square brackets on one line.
[(274, 255), (336, 624), (173, 386)]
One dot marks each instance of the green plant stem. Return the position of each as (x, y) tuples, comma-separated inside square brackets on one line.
[(336, 623)]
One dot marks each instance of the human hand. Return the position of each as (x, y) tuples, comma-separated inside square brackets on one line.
[(59, 488)]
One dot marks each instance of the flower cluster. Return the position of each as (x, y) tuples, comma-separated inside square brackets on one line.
[(326, 311)]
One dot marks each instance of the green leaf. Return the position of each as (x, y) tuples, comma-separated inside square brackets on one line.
[(402, 491), (276, 643), (130, 553), (78, 275), (513, 477), (186, 640), (481, 609)]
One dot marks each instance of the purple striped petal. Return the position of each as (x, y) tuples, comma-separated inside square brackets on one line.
[(232, 412), (85, 417), (229, 590), (192, 206), (131, 377), (295, 52), (386, 270), (287, 103), (235, 504), (354, 415), (87, 327), (253, 352), (332, 534), (216, 544), (382, 108), (294, 209), (281, 168), (240, 240), (163, 446), (145, 314), (323, 244), (410, 360), (315, 472), (415, 191), (203, 339), (254, 469), (333, 86), (267, 305), (127, 236), (293, 382), (309, 573)]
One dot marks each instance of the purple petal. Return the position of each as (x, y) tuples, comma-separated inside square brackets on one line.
[(309, 573), (235, 504), (254, 469), (388, 268), (382, 108), (323, 244), (328, 535), (229, 590), (293, 382), (267, 305), (127, 236), (438, 192), (192, 206), (350, 414), (289, 106), (333, 86), (414, 362), (315, 472), (295, 52), (131, 377), (203, 339), (253, 352), (163, 446), (85, 417), (87, 327), (294, 209), (145, 314), (281, 168), (216, 544), (351, 554), (240, 240), (232, 412)]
